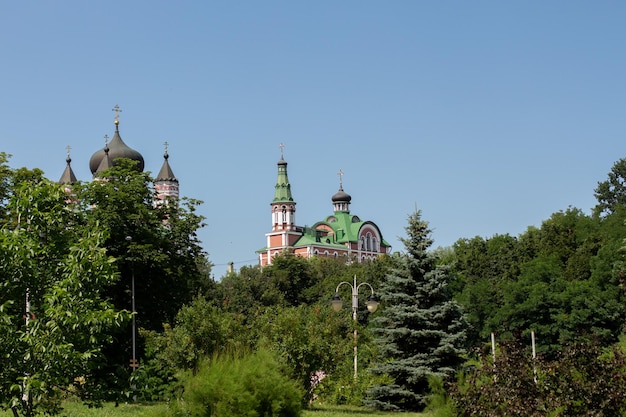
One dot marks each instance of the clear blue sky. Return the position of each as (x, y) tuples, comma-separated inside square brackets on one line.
[(489, 116)]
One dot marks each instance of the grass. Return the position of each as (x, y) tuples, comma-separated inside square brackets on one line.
[(75, 409)]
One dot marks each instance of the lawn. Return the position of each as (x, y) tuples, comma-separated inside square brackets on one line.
[(72, 409)]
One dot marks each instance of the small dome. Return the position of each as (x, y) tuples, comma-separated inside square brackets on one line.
[(341, 196)]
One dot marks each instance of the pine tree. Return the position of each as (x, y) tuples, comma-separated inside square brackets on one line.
[(421, 329)]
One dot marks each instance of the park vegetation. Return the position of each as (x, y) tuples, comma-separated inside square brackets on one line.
[(72, 258)]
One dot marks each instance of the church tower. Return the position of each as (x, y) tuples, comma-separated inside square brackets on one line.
[(283, 211), (68, 178), (165, 183)]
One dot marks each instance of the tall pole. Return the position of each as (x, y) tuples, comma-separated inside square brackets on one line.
[(372, 305), (132, 295), (355, 308)]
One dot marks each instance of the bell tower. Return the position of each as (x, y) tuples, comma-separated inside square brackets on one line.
[(283, 211)]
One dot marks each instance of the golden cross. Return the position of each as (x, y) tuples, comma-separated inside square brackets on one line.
[(117, 111)]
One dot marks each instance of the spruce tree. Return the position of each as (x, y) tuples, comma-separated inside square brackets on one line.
[(421, 329)]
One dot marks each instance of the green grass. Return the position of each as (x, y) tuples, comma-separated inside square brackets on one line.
[(74, 409)]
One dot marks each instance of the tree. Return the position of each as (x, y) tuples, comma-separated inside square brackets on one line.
[(308, 339), (155, 243), (612, 192), (482, 268), (54, 319), (421, 330)]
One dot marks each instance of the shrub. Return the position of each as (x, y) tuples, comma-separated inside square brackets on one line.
[(252, 385), (583, 380)]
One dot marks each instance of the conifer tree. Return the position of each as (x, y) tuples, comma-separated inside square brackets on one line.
[(421, 329)]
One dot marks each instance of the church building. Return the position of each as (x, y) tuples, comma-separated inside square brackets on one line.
[(165, 184), (341, 235)]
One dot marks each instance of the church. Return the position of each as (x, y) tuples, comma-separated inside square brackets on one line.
[(340, 235), (165, 183)]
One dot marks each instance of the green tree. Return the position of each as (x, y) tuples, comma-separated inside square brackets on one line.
[(482, 267), (568, 288), (611, 193), (309, 339), (157, 245), (421, 329), (54, 317)]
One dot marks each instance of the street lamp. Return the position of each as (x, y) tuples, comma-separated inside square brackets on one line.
[(372, 305)]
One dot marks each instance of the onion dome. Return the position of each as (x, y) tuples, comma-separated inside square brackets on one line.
[(341, 199), (341, 196), (117, 149)]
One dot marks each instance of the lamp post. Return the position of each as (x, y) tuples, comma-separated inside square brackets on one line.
[(372, 305)]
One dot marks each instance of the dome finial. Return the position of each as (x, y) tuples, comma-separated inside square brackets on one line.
[(166, 155), (340, 173), (117, 111), (68, 159)]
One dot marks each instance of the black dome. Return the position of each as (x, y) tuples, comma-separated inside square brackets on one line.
[(341, 196), (117, 149)]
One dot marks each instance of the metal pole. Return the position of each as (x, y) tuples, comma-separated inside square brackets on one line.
[(532, 340), (371, 307), (355, 308), (132, 290)]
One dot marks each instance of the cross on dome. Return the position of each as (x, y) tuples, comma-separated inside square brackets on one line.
[(117, 111)]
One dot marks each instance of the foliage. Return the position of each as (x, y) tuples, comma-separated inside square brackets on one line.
[(611, 193), (559, 280), (237, 385), (421, 330), (157, 245), (54, 320), (582, 381), (309, 340), (481, 268), (157, 250), (200, 330)]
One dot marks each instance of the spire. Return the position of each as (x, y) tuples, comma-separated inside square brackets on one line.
[(283, 188), (68, 176), (166, 183), (166, 173), (105, 162)]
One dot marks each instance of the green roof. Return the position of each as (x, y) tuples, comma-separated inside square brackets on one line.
[(283, 188)]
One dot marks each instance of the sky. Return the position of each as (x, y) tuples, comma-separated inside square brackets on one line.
[(488, 116)]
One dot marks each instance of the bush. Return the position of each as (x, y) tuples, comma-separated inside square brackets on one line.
[(252, 385), (584, 380)]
